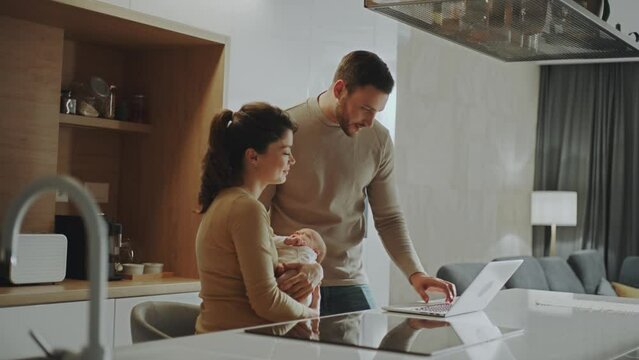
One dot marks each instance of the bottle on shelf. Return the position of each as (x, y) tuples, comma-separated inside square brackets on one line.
[(109, 105), (137, 108)]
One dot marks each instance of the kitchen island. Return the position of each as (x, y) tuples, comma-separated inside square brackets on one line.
[(555, 326)]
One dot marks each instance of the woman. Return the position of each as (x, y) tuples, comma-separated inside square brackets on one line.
[(236, 256)]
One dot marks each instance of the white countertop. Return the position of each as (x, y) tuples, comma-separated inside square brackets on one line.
[(564, 328)]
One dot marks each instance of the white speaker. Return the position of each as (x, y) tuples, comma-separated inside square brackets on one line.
[(41, 258)]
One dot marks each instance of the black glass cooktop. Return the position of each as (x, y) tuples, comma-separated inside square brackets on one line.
[(393, 332)]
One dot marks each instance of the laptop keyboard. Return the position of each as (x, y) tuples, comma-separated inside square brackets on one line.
[(434, 308)]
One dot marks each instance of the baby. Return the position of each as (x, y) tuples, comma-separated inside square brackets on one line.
[(304, 246)]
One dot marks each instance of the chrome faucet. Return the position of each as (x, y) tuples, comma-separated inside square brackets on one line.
[(96, 230)]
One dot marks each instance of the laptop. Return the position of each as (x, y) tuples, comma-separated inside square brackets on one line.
[(476, 297)]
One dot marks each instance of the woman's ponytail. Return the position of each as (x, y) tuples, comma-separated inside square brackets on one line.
[(216, 170)]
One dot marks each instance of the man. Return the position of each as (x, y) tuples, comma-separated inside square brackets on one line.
[(345, 157)]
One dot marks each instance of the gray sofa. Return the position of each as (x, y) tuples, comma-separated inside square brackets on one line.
[(560, 275), (461, 274), (582, 273), (629, 274)]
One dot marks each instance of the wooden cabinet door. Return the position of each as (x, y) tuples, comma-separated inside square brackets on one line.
[(31, 72)]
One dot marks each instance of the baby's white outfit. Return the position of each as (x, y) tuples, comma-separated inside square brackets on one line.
[(294, 254)]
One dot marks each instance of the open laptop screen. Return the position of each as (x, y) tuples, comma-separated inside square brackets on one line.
[(389, 332)]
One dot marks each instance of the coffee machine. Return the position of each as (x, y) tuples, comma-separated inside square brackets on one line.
[(77, 248)]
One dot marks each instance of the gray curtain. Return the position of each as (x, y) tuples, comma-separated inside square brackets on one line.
[(588, 141)]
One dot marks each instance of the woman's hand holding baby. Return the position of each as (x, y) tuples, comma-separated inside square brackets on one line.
[(300, 282)]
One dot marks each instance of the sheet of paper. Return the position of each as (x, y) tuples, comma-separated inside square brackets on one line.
[(591, 305)]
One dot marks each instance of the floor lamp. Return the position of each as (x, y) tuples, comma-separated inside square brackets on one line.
[(554, 208)]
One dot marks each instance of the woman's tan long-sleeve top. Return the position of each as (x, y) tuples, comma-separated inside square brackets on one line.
[(236, 258)]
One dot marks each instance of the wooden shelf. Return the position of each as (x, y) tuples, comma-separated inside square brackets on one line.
[(101, 123)]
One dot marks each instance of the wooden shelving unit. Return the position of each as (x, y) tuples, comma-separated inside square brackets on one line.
[(152, 168), (100, 123)]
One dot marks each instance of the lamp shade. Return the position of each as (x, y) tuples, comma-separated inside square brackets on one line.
[(554, 208)]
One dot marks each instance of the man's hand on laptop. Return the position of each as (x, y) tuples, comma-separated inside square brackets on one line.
[(422, 282)]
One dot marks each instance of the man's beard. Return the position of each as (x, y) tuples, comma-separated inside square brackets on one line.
[(342, 119)]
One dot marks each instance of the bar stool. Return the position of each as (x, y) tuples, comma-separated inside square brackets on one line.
[(157, 320)]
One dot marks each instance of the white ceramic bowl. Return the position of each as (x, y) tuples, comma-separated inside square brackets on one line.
[(133, 269), (153, 268)]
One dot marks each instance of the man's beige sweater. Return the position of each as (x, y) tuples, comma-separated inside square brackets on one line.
[(326, 191)]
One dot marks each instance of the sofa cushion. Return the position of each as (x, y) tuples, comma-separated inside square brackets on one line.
[(625, 290), (605, 288), (629, 274), (530, 274), (560, 276), (461, 274), (589, 267)]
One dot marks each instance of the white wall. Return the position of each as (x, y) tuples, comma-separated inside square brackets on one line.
[(283, 51), (465, 141), (625, 12)]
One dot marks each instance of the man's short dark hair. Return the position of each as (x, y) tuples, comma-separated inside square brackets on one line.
[(360, 68)]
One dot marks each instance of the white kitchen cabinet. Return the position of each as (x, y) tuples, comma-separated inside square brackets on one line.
[(66, 325), (62, 325), (123, 307)]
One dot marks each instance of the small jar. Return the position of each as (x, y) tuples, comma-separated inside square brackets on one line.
[(87, 107), (122, 110), (137, 108), (67, 102)]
